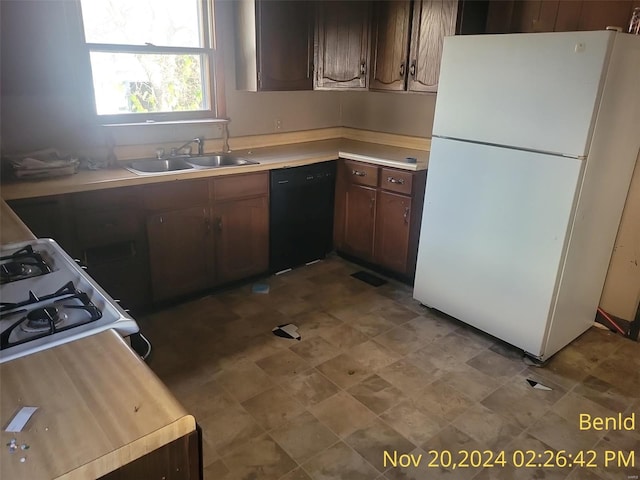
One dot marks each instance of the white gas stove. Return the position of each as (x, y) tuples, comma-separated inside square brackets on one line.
[(46, 299)]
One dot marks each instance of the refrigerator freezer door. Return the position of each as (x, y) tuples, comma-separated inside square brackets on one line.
[(493, 235), (532, 91)]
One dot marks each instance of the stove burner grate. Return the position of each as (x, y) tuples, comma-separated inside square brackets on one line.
[(25, 263), (68, 308), (67, 289)]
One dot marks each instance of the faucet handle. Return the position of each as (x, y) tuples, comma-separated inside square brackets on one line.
[(159, 153)]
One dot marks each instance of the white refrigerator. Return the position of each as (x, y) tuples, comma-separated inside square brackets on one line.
[(534, 143)]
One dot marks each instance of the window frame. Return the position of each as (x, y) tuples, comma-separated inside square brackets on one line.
[(213, 85)]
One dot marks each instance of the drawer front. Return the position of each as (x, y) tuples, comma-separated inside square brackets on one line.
[(240, 186), (176, 195), (124, 197), (396, 181), (101, 228), (361, 173)]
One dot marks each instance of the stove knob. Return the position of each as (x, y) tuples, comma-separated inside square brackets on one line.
[(80, 264)]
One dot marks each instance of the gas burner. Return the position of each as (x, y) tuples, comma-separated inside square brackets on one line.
[(64, 309), (12, 271), (25, 263), (41, 319)]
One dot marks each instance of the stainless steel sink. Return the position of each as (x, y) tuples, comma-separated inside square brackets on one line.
[(223, 160), (153, 165)]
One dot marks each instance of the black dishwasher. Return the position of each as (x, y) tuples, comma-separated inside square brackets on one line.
[(301, 214)]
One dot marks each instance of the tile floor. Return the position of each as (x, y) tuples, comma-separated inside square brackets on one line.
[(376, 371)]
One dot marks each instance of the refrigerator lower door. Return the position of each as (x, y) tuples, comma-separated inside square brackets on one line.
[(493, 235)]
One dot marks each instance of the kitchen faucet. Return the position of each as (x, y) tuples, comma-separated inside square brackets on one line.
[(225, 138), (198, 140)]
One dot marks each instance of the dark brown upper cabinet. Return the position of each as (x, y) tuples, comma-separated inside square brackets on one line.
[(432, 21), (391, 25), (274, 45), (407, 39), (342, 45), (527, 16)]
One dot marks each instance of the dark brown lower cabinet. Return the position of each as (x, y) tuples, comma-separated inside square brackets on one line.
[(48, 217), (393, 225), (180, 247), (208, 232), (110, 235), (242, 238), (178, 460), (360, 206), (104, 230), (378, 214)]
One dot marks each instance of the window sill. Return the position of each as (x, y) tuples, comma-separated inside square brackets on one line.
[(212, 121)]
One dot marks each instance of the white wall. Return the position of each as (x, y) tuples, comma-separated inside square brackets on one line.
[(402, 113)]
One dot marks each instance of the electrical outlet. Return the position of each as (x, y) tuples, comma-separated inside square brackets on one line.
[(278, 124)]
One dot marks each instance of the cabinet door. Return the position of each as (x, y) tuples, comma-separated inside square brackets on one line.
[(393, 225), (180, 249), (342, 45), (390, 44), (285, 33), (178, 460), (242, 238), (531, 16), (360, 208), (600, 14), (525, 16), (432, 21)]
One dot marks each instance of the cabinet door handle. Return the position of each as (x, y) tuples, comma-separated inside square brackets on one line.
[(207, 225), (363, 68), (412, 68), (372, 202), (406, 215), (161, 219), (358, 173), (402, 67), (399, 181), (219, 224)]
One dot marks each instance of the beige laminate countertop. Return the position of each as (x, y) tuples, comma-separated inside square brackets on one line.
[(99, 407), (268, 157)]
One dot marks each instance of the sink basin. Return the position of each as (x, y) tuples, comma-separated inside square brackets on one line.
[(224, 160), (153, 165)]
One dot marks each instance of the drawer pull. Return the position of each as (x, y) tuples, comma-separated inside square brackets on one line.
[(399, 181), (358, 173)]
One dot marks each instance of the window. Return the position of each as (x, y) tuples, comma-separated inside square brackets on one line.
[(151, 60)]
